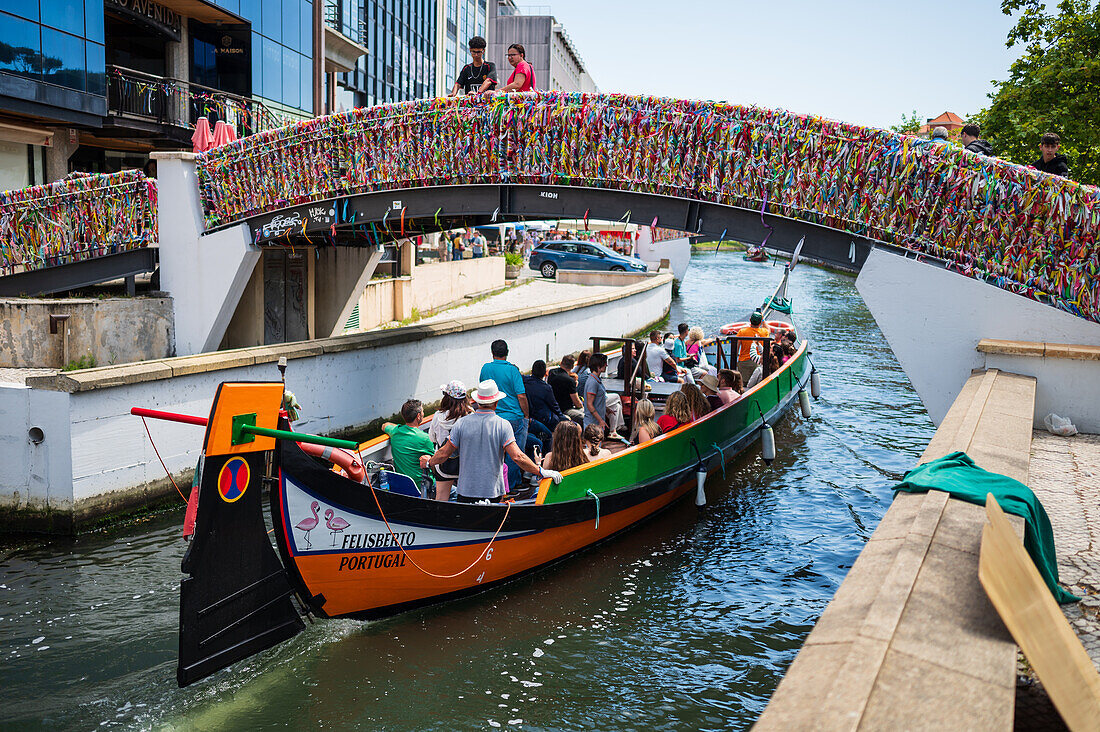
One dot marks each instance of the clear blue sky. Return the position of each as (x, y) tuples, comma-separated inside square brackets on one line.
[(854, 60)]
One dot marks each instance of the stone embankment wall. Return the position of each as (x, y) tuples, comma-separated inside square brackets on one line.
[(109, 331), (74, 453), (430, 287)]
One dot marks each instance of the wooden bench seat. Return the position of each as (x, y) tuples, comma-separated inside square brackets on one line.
[(911, 641)]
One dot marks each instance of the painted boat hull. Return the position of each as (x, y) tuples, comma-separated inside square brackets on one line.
[(382, 553)]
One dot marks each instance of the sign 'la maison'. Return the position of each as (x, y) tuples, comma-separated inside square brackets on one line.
[(147, 12)]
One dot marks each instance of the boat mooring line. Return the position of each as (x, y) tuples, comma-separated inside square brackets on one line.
[(590, 493), (722, 462), (507, 510), (162, 460)]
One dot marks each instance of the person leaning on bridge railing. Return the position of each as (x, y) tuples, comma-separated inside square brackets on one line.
[(1049, 160), (970, 137), (479, 75), (523, 75)]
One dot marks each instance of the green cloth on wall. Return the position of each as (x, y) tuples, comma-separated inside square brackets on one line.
[(957, 475)]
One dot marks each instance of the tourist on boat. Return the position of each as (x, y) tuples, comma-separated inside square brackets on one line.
[(513, 408), (568, 448), (454, 406), (748, 352), (730, 385), (679, 347), (638, 366), (697, 403), (564, 383), (709, 386), (408, 442), (768, 365), (483, 439), (541, 402), (659, 361), (695, 343), (581, 370), (677, 412), (599, 410), (593, 439), (645, 424)]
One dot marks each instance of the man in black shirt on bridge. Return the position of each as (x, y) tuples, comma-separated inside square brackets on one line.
[(478, 76)]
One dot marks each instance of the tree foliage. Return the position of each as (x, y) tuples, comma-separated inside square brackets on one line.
[(1053, 87), (909, 125)]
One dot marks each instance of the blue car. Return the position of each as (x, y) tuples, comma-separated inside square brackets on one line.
[(550, 256)]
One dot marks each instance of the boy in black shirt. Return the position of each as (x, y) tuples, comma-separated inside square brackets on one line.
[(476, 77)]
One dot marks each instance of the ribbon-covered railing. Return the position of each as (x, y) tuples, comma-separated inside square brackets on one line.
[(1025, 231), (80, 217)]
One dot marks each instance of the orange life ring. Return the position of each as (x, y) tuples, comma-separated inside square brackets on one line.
[(732, 328), (343, 459)]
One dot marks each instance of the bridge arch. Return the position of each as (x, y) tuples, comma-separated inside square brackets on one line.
[(711, 165)]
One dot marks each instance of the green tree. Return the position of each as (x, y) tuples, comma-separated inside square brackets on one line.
[(1054, 86), (908, 125)]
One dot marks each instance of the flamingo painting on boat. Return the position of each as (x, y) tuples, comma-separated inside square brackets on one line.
[(334, 523), (309, 524)]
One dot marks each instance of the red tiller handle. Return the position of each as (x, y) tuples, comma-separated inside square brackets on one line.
[(169, 416)]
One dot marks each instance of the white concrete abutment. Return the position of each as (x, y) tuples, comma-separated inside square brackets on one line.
[(90, 458)]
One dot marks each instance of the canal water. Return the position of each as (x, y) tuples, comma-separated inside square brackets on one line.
[(688, 622)]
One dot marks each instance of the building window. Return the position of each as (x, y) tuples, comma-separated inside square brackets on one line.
[(97, 76), (63, 59), (20, 46), (66, 15)]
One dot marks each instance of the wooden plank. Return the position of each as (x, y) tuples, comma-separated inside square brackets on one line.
[(1027, 608)]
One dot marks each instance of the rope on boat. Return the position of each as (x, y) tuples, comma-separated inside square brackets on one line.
[(722, 463), (507, 510), (162, 460), (590, 493)]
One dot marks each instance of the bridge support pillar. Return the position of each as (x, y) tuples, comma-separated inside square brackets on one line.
[(933, 319), (205, 274)]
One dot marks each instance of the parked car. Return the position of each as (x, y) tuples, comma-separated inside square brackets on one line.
[(550, 256)]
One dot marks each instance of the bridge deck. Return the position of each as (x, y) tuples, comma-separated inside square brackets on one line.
[(910, 640)]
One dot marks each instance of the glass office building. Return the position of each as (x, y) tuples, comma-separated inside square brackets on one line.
[(282, 51), (462, 20), (58, 42), (401, 38)]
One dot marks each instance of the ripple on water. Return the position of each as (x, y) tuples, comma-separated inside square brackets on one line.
[(687, 622)]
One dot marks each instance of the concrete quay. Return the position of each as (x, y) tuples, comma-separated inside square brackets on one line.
[(910, 640), (75, 455)]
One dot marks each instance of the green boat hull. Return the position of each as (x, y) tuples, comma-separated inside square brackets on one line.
[(712, 440)]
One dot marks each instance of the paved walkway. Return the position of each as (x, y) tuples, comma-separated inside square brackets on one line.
[(1065, 475), (19, 376), (533, 293)]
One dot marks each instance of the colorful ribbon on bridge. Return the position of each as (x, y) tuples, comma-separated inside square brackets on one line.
[(1022, 230), (80, 217)]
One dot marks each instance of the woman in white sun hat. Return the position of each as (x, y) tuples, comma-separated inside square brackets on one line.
[(483, 438), (454, 406)]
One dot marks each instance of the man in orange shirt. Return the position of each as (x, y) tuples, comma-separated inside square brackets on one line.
[(749, 352)]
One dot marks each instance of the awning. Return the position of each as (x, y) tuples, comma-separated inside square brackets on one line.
[(204, 12), (27, 135)]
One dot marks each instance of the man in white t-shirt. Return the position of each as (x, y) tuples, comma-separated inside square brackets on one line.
[(656, 357), (483, 438)]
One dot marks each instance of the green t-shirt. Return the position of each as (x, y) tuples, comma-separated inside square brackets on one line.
[(407, 444)]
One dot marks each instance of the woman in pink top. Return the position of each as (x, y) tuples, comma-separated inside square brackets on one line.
[(523, 75)]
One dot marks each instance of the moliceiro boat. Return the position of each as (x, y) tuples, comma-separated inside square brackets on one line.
[(345, 548)]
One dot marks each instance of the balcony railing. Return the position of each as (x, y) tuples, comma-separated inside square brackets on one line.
[(177, 103), (354, 29)]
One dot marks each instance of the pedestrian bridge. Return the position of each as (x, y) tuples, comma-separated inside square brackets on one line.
[(711, 168)]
